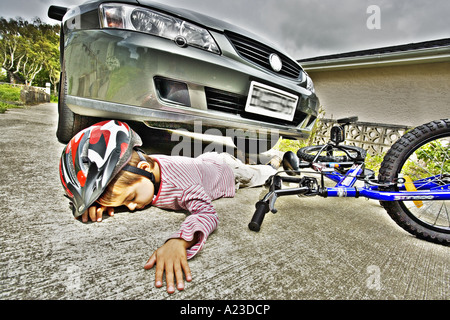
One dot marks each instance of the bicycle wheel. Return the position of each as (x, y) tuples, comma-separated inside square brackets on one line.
[(423, 153), (332, 153)]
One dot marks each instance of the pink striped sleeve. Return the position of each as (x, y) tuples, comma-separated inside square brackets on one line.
[(203, 219), (204, 224)]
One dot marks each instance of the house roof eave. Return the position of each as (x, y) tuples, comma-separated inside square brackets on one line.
[(377, 58)]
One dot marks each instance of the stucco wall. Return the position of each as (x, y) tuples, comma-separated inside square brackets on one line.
[(406, 95)]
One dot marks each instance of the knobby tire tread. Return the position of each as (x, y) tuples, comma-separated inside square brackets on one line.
[(390, 167)]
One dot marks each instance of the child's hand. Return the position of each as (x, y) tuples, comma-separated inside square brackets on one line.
[(95, 212), (172, 259)]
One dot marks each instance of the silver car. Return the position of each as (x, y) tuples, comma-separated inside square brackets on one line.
[(173, 68)]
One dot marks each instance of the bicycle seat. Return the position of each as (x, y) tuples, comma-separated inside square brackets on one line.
[(290, 163)]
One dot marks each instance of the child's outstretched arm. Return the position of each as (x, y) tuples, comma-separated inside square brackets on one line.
[(184, 244), (171, 258)]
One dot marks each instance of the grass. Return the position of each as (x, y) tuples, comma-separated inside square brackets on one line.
[(374, 162), (285, 145), (9, 97), (5, 106), (9, 93)]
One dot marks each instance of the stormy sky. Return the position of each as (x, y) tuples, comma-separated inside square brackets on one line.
[(305, 28)]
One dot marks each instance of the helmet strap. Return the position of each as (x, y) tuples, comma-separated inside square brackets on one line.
[(140, 171)]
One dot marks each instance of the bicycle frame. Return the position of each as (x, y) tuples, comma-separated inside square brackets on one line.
[(426, 189)]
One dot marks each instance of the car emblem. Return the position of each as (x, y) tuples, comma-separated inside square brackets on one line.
[(275, 62)]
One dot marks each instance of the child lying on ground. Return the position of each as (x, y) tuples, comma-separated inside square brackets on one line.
[(100, 169)]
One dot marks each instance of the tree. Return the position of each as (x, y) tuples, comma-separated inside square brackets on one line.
[(26, 49), (52, 64), (10, 47)]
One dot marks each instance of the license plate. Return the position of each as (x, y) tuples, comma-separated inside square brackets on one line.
[(271, 102)]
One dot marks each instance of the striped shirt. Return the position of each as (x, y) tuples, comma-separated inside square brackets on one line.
[(191, 184)]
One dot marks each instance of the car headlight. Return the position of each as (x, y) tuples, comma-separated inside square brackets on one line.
[(310, 84), (115, 15)]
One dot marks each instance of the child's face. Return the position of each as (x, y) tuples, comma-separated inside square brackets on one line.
[(138, 195)]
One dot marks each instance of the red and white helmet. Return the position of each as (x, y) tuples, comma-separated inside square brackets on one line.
[(92, 158)]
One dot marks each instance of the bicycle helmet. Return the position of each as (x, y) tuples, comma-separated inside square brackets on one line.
[(93, 157)]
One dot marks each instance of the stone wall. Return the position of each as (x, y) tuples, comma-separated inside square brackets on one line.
[(34, 95)]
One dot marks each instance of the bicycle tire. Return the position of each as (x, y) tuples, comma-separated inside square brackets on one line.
[(309, 153), (428, 220)]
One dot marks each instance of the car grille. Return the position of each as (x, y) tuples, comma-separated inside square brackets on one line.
[(259, 54), (235, 104), (225, 101)]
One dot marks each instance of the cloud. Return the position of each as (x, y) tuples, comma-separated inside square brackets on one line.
[(306, 28)]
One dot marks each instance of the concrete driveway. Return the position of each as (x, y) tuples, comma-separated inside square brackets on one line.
[(311, 249)]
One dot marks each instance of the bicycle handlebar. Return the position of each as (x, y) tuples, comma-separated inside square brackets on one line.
[(262, 208), (268, 202)]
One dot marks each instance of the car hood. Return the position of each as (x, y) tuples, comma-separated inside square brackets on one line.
[(204, 20), (200, 19)]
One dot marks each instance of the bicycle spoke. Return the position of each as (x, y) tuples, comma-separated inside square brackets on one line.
[(430, 161), (443, 162), (446, 212), (415, 169)]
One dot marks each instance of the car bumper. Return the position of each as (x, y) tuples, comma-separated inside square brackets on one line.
[(116, 73)]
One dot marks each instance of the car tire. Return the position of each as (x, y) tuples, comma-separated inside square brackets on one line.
[(69, 123)]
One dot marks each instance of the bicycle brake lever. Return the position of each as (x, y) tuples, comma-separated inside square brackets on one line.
[(272, 200)]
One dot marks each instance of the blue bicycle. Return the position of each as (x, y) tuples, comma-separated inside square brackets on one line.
[(413, 184)]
